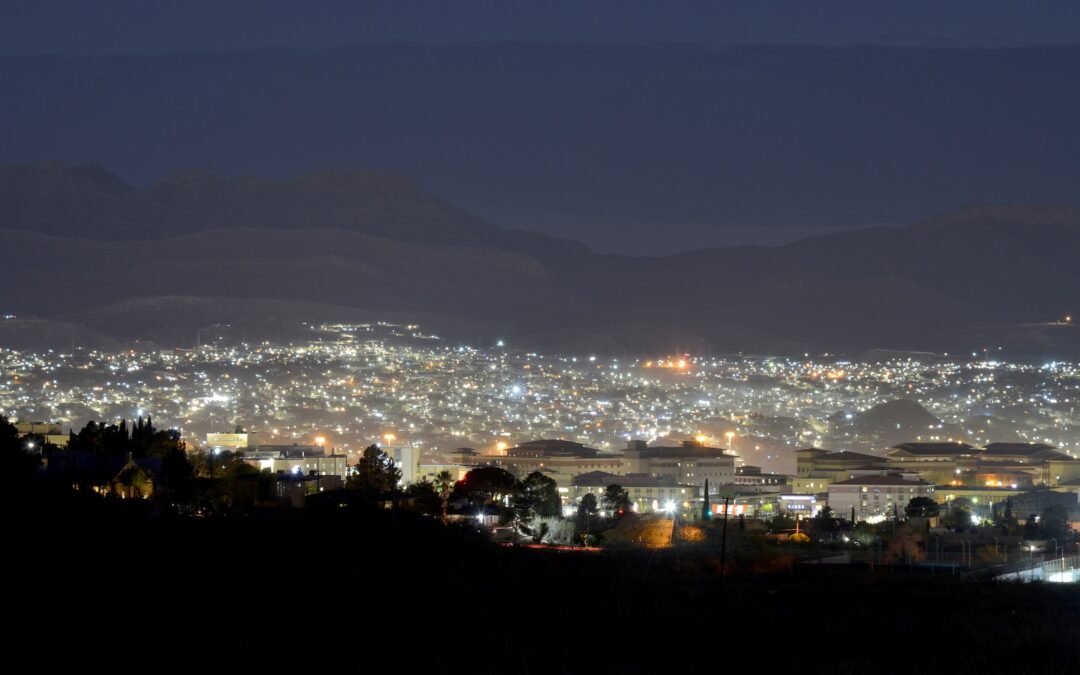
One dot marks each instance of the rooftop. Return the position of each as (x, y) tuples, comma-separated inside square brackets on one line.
[(881, 480)]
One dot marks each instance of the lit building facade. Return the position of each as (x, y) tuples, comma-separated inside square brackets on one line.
[(876, 496)]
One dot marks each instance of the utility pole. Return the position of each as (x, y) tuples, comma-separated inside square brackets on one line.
[(723, 540)]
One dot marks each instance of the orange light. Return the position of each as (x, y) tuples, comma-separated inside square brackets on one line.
[(320, 440)]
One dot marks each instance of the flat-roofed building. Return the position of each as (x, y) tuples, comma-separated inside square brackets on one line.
[(52, 433), (647, 493), (816, 469), (939, 463), (560, 460), (876, 496), (754, 477), (996, 465), (691, 463), (429, 472), (407, 460), (232, 442), (298, 460)]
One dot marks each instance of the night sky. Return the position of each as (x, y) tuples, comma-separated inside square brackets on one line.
[(631, 126), (75, 26)]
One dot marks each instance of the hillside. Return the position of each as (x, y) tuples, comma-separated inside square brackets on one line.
[(979, 278)]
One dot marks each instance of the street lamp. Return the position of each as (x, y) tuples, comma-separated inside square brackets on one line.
[(730, 440)]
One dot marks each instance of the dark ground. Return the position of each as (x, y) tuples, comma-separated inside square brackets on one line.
[(377, 592)]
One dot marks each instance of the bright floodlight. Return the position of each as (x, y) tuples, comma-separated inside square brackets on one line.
[(670, 506)]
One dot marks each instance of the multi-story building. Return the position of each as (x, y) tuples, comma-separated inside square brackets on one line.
[(647, 493), (407, 460), (876, 496), (298, 459), (558, 459), (939, 463), (52, 433), (231, 442), (748, 476), (816, 469), (691, 463), (429, 472), (1006, 465)]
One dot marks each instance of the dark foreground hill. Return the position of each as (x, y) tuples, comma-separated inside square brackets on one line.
[(81, 243), (387, 591)]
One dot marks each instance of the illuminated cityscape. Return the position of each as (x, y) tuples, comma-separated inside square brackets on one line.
[(540, 337), (358, 383)]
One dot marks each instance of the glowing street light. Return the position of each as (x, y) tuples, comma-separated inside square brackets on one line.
[(500, 446), (730, 440), (320, 440)]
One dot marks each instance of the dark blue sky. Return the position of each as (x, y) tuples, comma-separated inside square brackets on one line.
[(579, 119), (80, 26)]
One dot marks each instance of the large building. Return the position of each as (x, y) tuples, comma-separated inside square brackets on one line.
[(876, 496), (52, 433), (816, 469), (298, 459), (691, 463), (407, 460), (231, 442), (747, 476), (647, 493), (558, 459), (1006, 465)]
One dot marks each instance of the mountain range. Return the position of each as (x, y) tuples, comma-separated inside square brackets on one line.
[(85, 249), (681, 145)]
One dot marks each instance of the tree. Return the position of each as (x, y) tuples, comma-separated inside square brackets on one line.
[(376, 473), (959, 516), (616, 500), (425, 494), (542, 493), (781, 521), (706, 511), (176, 471), (1054, 522), (18, 463), (444, 487), (587, 505), (586, 510), (922, 507), (826, 520), (1031, 527), (489, 484), (904, 545), (1005, 518)]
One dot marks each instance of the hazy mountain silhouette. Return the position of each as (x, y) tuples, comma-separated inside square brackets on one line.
[(980, 277), (632, 148)]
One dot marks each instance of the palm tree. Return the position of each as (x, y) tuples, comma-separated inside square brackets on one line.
[(444, 485)]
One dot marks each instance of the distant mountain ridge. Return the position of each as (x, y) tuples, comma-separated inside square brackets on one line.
[(87, 201), (976, 278), (1055, 215)]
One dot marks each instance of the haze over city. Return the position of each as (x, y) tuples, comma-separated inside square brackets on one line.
[(542, 337)]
